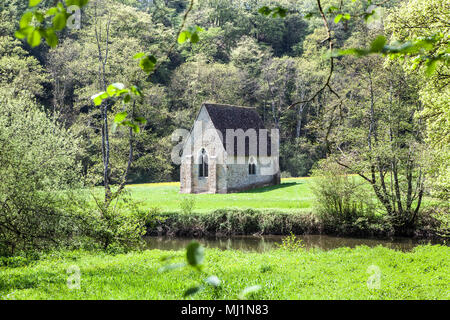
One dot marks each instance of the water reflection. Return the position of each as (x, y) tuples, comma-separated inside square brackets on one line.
[(264, 243)]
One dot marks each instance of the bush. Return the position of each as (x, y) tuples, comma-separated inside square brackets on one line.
[(187, 204), (434, 222), (343, 202), (229, 222), (291, 243), (38, 164), (120, 225)]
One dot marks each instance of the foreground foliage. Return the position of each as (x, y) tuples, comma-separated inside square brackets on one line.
[(38, 159), (282, 274)]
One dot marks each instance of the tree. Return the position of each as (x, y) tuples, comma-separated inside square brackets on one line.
[(377, 136), (21, 71), (39, 167), (420, 19)]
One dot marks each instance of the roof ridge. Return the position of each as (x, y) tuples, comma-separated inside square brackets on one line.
[(227, 105)]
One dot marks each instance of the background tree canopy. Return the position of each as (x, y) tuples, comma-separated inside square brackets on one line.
[(248, 53)]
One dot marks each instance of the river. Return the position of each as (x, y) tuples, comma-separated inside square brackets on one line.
[(264, 243)]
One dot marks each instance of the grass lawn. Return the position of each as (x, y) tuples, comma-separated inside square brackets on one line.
[(337, 274), (292, 194)]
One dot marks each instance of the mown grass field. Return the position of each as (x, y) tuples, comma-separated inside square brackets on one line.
[(292, 194), (337, 274)]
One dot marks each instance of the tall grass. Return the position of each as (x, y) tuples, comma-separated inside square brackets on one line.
[(282, 274)]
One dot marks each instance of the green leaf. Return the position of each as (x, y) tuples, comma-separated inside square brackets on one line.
[(140, 120), (39, 16), (34, 38), (126, 98), (377, 45), (52, 11), (279, 11), (139, 55), (120, 116), (352, 51), (33, 3), (194, 38), (192, 290), (337, 18), (59, 21), (111, 90), (244, 293), (195, 254), (26, 20), (51, 38), (265, 10), (23, 33), (184, 35), (147, 63), (347, 16), (132, 125), (135, 90), (368, 15), (127, 123), (213, 281), (19, 34), (99, 97), (116, 89), (73, 2)]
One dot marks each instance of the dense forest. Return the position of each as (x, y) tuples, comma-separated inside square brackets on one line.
[(242, 57), (362, 84)]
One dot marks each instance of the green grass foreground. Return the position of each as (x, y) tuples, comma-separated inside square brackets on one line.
[(337, 274), (291, 194)]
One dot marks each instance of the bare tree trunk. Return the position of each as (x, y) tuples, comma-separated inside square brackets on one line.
[(103, 60)]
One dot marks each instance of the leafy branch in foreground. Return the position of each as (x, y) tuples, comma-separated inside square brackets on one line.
[(195, 256), (422, 50), (190, 33), (119, 90), (36, 24), (274, 12)]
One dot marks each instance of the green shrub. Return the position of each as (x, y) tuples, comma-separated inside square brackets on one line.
[(187, 204), (120, 225), (229, 222), (291, 243), (14, 262), (38, 163), (344, 203)]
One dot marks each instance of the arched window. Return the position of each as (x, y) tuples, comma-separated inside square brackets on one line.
[(251, 166), (203, 164)]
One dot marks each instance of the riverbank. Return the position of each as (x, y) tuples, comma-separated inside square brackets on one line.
[(232, 222), (274, 210), (304, 274)]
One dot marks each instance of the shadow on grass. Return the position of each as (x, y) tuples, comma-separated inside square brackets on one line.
[(270, 188)]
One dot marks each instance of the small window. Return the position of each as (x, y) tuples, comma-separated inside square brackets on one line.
[(251, 166), (203, 164)]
